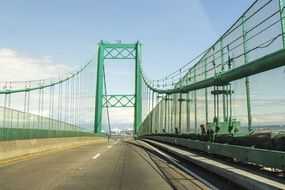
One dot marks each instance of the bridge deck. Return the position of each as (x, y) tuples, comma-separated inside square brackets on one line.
[(124, 165)]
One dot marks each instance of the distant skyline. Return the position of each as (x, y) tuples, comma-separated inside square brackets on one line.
[(40, 39)]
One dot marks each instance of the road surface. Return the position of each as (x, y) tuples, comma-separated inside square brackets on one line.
[(123, 164)]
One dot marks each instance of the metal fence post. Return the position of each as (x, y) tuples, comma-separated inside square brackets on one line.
[(249, 118)]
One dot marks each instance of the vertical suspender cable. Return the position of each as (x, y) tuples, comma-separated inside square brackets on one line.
[(107, 107)]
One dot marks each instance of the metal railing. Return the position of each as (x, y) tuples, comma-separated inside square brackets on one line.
[(227, 83), (57, 107)]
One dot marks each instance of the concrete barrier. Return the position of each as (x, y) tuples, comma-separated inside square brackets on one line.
[(19, 148)]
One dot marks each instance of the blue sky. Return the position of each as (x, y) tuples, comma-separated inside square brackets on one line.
[(66, 33), (172, 32)]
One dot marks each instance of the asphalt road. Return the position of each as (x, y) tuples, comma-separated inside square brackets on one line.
[(106, 165)]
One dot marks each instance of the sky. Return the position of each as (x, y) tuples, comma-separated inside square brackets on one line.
[(39, 39)]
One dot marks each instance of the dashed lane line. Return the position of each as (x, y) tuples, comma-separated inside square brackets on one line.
[(96, 156)]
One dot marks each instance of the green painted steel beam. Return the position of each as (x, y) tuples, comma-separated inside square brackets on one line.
[(260, 65), (138, 91), (99, 90), (119, 45)]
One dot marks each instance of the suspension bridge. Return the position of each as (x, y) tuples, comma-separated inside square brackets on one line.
[(218, 122)]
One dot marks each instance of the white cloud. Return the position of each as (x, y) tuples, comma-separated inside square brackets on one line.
[(120, 116), (18, 67)]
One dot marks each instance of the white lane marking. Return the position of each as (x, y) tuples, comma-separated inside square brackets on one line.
[(183, 168), (96, 156), (115, 142), (109, 147)]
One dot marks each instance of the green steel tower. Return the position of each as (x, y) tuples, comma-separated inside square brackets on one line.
[(118, 51)]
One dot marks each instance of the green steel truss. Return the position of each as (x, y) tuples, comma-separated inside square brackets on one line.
[(114, 101), (118, 51)]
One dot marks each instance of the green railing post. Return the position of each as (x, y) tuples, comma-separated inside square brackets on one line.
[(172, 113), (168, 113), (282, 17), (195, 101), (188, 112), (165, 112), (158, 114), (152, 104), (244, 31), (149, 109), (180, 110), (156, 124), (161, 115), (223, 88), (5, 132), (206, 90)]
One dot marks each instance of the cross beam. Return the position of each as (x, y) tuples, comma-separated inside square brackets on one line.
[(120, 53), (121, 101)]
